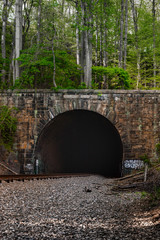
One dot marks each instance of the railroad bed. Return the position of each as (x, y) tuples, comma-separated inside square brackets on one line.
[(71, 208), (11, 178)]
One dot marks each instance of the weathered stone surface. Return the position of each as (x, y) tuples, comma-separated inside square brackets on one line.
[(135, 114), (8, 162)]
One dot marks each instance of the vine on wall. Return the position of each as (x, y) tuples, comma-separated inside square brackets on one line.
[(8, 126)]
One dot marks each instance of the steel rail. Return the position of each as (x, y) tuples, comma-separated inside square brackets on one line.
[(11, 178)]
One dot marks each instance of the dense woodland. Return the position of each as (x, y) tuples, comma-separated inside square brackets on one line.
[(100, 44)]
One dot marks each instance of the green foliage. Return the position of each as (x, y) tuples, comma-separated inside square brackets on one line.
[(8, 126), (144, 194), (158, 148), (154, 197), (95, 85), (38, 69), (58, 24), (158, 151), (68, 72), (145, 159), (117, 78), (82, 86)]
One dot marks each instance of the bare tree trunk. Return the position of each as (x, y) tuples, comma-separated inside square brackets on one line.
[(96, 53), (101, 47), (77, 34), (105, 52), (154, 43), (86, 40), (27, 8), (126, 32), (82, 49), (39, 22), (11, 59), (116, 44), (86, 66), (62, 6), (121, 35), (13, 67), (5, 13), (145, 82), (139, 68), (101, 35), (10, 69), (54, 65), (18, 37), (3, 38), (77, 47), (136, 42), (90, 36)]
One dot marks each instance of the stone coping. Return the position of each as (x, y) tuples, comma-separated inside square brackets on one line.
[(77, 91)]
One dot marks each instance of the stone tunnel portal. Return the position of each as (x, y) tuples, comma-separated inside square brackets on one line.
[(80, 141)]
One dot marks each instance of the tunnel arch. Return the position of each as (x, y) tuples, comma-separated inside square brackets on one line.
[(80, 141)]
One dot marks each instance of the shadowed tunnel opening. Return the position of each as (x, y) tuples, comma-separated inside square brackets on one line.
[(80, 141)]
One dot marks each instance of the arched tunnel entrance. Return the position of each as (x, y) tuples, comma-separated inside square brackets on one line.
[(80, 141)]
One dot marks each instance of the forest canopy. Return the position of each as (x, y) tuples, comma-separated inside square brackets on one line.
[(100, 44)]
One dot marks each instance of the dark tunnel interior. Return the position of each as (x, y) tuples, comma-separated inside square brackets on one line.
[(80, 141)]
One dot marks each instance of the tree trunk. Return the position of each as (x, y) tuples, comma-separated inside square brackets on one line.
[(11, 61), (101, 41), (82, 49), (105, 52), (27, 8), (63, 6), (90, 36), (3, 38), (96, 53), (116, 44), (77, 34), (121, 35), (101, 35), (139, 68), (136, 42), (18, 37), (86, 66), (54, 65), (126, 32), (154, 42), (39, 22), (14, 67), (86, 42)]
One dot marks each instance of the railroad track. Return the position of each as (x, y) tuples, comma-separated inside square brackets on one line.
[(11, 178)]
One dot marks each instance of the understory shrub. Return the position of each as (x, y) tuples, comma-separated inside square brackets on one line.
[(8, 126), (37, 69), (110, 77)]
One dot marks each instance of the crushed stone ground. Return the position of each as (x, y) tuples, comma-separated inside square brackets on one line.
[(73, 208)]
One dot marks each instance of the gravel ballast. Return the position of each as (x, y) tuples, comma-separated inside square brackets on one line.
[(72, 208)]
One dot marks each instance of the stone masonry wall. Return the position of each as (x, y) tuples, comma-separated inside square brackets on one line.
[(135, 114)]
